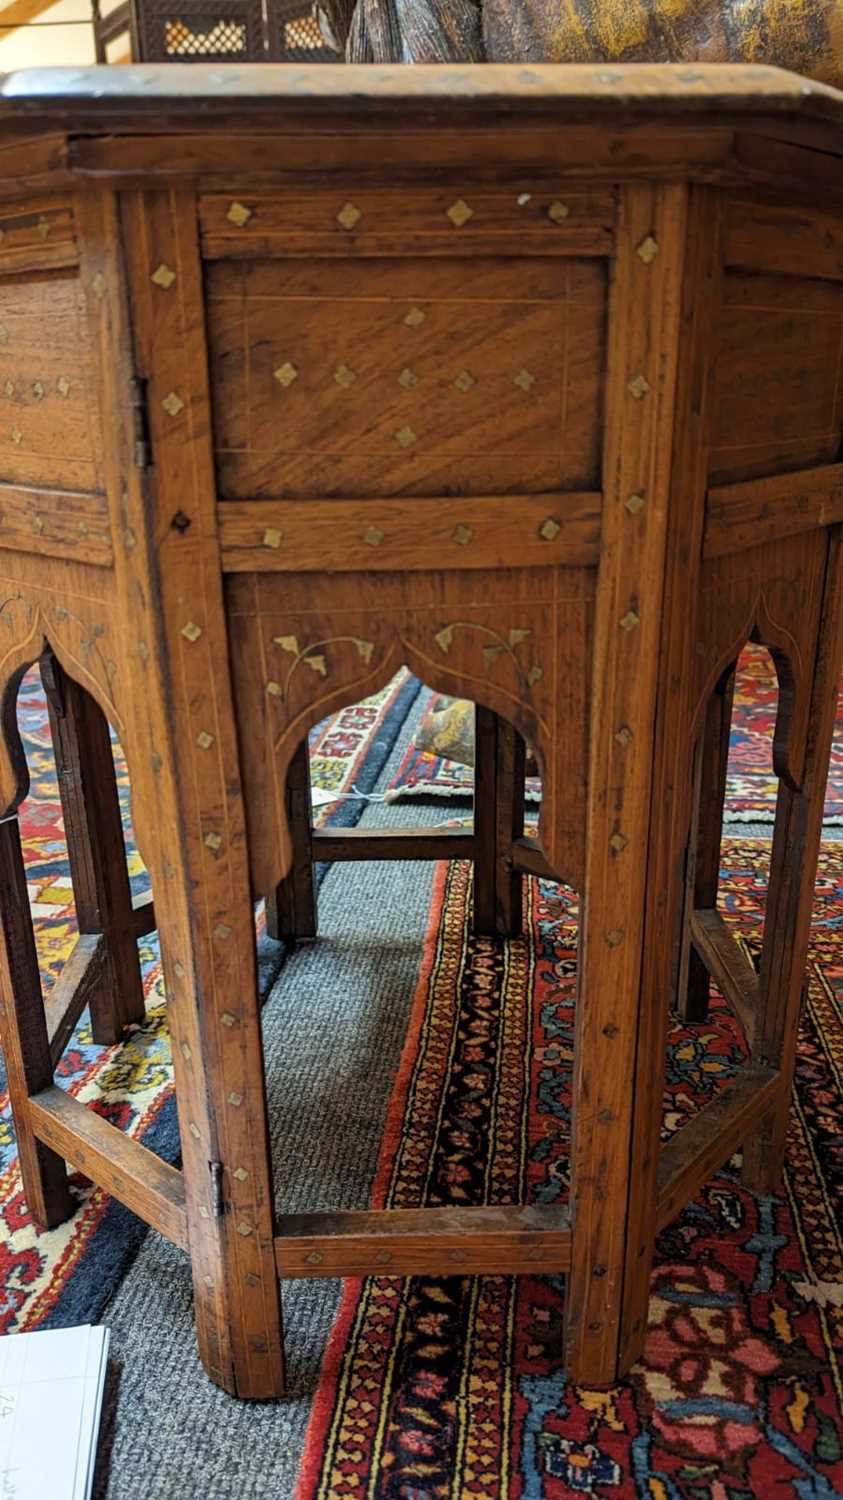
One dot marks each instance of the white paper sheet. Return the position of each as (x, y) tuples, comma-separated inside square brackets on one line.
[(51, 1387)]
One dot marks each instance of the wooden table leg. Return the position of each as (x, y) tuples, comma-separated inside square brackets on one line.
[(499, 787), (95, 847), (23, 1034), (790, 894), (291, 913), (703, 874)]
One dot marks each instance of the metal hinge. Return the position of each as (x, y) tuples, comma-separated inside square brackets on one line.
[(217, 1200), (142, 450)]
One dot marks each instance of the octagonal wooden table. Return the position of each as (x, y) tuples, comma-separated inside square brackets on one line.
[(529, 378)]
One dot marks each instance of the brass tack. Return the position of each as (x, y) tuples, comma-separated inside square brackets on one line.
[(241, 1174), (203, 1212), (43, 227), (186, 1052), (228, 1018), (130, 541), (457, 1256), (235, 1099), (348, 216), (143, 651), (605, 1116), (38, 390), (286, 374), (314, 1258), (4, 334), (415, 317), (38, 523), (629, 620), (407, 378), (272, 537), (638, 387), (244, 1228), (208, 1281), (558, 212), (173, 404), (16, 436), (462, 535), (524, 380), (647, 250), (178, 970), (618, 842), (191, 632), (252, 1279), (373, 536), (222, 931), (163, 276), (534, 675), (549, 529), (459, 213), (204, 740), (63, 386), (239, 214), (99, 284), (9, 388), (275, 689), (213, 841), (615, 937), (624, 736), (405, 436), (194, 1130), (634, 503), (344, 375), (464, 381)]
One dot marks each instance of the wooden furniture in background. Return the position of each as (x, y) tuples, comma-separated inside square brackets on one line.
[(590, 323)]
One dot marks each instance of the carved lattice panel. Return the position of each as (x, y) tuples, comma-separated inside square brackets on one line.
[(406, 377)]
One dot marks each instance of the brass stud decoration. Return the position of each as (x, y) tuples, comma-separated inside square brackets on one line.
[(63, 387), (16, 436), (213, 842), (344, 376), (4, 334), (239, 214), (405, 436), (372, 536), (624, 736), (285, 374), (629, 620), (615, 937), (407, 379), (99, 284), (549, 529), (462, 535), (348, 216), (634, 504), (9, 388), (191, 632), (414, 318), (558, 212), (204, 740), (241, 1174), (275, 689), (43, 227), (228, 1018), (172, 404), (38, 390), (647, 250), (244, 1228), (272, 537), (459, 213), (195, 1131), (618, 843), (163, 276), (235, 1099), (524, 380), (222, 931), (464, 381), (186, 1052), (638, 387)]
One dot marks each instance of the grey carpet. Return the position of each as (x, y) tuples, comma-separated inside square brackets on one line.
[(333, 1033)]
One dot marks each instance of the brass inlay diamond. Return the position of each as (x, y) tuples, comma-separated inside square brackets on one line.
[(524, 380), (9, 388), (4, 334), (38, 390), (213, 842), (172, 404), (549, 529), (244, 1228), (163, 275), (191, 632), (372, 536), (239, 214), (624, 736), (349, 215), (186, 1052), (465, 380), (558, 212), (16, 436), (38, 524), (407, 379), (534, 675), (178, 970), (629, 621), (63, 386), (99, 284), (286, 374), (194, 1130), (241, 1174), (235, 1099), (43, 227), (615, 937), (462, 535), (204, 740), (272, 537), (634, 504), (638, 387), (275, 689), (415, 317), (618, 842), (222, 931), (647, 250), (405, 436), (459, 213), (314, 1258), (343, 375), (228, 1018)]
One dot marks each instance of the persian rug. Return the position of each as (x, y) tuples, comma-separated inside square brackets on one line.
[(439, 1387), (751, 786), (131, 1085)]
